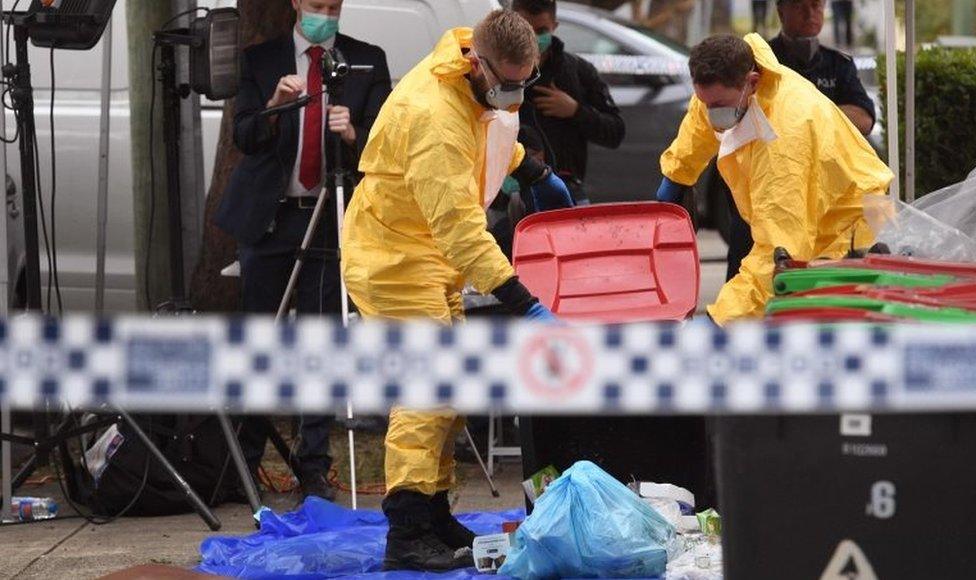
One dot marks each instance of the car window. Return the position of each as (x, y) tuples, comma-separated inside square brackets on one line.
[(581, 40)]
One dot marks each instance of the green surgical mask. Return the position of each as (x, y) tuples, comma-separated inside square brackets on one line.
[(544, 40), (318, 28)]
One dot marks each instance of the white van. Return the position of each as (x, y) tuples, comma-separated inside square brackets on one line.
[(405, 29)]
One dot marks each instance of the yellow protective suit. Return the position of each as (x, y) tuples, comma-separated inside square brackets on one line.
[(416, 230), (802, 191)]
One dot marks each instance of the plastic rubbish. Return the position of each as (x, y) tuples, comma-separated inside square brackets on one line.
[(28, 509), (910, 230), (710, 522), (588, 524), (954, 205), (701, 559)]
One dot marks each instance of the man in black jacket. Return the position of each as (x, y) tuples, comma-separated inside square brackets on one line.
[(571, 105), (289, 162)]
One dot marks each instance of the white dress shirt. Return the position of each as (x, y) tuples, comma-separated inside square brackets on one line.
[(302, 61)]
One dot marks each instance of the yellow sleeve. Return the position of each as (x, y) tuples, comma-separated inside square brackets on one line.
[(784, 210), (518, 155), (440, 173), (693, 148)]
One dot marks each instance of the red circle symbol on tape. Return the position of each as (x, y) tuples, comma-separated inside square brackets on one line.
[(556, 363)]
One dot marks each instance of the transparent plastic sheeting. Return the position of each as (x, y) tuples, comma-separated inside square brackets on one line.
[(939, 226), (251, 365)]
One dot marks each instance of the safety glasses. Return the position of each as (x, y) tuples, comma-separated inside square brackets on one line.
[(511, 86)]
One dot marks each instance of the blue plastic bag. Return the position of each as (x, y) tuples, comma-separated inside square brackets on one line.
[(588, 524)]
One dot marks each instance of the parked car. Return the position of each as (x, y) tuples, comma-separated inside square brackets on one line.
[(406, 29)]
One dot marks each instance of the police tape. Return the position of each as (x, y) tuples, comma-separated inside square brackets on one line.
[(316, 365)]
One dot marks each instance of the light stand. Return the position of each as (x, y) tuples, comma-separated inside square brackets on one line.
[(78, 29), (172, 95), (214, 72), (22, 94), (75, 26), (217, 26)]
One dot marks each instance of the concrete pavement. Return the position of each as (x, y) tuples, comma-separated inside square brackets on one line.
[(73, 548)]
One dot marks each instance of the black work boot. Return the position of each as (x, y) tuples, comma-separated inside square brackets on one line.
[(315, 483), (411, 543), (450, 531)]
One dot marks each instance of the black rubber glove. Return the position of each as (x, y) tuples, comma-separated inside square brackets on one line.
[(515, 297)]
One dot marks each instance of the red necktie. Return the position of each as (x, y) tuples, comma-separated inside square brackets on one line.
[(310, 174)]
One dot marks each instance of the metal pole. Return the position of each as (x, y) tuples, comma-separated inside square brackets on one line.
[(250, 488), (8, 488), (891, 68), (23, 94), (909, 101), (171, 138), (6, 471), (481, 462), (192, 187), (340, 190), (103, 156), (201, 508)]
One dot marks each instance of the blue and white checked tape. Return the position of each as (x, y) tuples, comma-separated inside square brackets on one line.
[(250, 365)]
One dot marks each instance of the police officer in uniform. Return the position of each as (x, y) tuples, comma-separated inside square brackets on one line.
[(832, 71)]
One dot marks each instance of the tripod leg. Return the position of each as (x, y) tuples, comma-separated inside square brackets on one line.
[(300, 262), (477, 454), (352, 457), (201, 508), (250, 489), (340, 190)]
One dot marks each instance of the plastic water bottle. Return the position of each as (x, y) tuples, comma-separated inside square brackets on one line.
[(27, 509)]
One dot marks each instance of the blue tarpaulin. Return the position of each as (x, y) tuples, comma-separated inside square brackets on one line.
[(323, 540)]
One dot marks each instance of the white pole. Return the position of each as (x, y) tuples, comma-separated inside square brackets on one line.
[(340, 215), (909, 101), (103, 168), (891, 68)]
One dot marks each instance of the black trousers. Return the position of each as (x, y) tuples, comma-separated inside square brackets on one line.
[(265, 269), (843, 22), (760, 11), (740, 239)]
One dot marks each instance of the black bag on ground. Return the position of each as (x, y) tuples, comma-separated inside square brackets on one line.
[(196, 447)]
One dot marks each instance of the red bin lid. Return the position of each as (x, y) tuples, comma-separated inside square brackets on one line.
[(611, 263)]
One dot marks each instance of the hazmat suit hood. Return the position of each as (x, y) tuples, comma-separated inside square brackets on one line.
[(447, 61)]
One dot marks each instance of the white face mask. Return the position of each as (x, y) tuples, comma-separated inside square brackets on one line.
[(754, 126), (724, 118)]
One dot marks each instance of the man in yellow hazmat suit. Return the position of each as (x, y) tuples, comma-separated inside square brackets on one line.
[(416, 231), (798, 169)]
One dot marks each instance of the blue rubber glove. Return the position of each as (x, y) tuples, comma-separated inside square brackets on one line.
[(671, 191), (539, 313), (551, 193)]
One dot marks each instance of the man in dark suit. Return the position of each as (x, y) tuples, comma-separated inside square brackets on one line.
[(289, 162)]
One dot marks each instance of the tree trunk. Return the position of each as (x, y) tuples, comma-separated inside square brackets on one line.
[(261, 20), (150, 201)]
